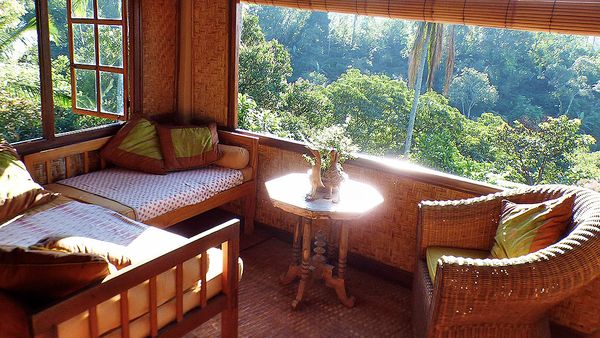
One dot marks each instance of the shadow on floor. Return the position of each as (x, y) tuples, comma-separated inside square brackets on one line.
[(383, 307)]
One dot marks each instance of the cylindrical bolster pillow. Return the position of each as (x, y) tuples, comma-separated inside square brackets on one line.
[(233, 157)]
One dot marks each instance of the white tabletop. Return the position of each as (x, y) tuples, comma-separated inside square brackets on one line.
[(288, 193)]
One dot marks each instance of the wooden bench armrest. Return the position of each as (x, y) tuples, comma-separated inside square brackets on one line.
[(226, 235)]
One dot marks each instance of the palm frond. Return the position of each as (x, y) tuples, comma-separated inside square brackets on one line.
[(7, 38), (416, 52), (450, 59), (435, 52), (32, 91)]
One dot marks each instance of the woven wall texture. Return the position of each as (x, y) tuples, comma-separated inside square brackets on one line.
[(388, 234), (159, 63), (210, 60)]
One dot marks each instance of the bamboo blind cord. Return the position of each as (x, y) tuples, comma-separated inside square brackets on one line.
[(557, 16)]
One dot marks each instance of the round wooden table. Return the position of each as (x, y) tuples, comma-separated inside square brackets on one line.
[(355, 200)]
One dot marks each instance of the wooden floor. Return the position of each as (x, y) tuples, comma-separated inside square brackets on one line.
[(383, 307)]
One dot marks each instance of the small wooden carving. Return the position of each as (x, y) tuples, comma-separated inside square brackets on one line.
[(315, 177), (333, 177)]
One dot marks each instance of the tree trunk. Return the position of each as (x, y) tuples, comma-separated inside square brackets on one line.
[(353, 30), (418, 82), (450, 58)]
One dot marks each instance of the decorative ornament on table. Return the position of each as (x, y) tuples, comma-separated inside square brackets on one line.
[(333, 177), (314, 175), (329, 147)]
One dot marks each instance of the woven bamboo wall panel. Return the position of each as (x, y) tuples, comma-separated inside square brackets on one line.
[(210, 60), (159, 58), (388, 234)]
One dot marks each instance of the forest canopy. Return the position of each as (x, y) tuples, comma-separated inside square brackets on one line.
[(496, 105)]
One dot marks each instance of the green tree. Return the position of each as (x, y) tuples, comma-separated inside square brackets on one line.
[(542, 153), (427, 48), (264, 66), (472, 88), (309, 101), (371, 106)]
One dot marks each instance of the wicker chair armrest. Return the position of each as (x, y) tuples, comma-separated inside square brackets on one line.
[(506, 289), (468, 223)]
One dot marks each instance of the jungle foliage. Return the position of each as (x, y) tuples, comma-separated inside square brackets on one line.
[(505, 105), (520, 106), (20, 101)]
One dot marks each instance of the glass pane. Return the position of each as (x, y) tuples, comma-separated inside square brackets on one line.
[(109, 9), (111, 45), (111, 86), (83, 44), (20, 117), (82, 8), (86, 89), (65, 119)]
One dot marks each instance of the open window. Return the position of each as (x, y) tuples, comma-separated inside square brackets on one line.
[(98, 53)]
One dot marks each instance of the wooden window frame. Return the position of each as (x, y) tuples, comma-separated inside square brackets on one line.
[(96, 21), (50, 139)]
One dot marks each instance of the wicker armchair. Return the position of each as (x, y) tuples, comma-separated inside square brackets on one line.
[(500, 297)]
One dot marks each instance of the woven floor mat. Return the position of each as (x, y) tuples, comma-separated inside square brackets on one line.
[(382, 308)]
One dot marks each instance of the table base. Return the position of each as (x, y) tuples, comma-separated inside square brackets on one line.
[(305, 266)]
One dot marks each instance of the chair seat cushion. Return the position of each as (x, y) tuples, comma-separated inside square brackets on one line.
[(434, 253), (527, 228)]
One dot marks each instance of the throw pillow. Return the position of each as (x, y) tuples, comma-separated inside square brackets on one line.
[(136, 147), (115, 254), (48, 275), (526, 228), (18, 191), (188, 147)]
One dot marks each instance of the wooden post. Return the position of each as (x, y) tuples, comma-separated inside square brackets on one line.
[(249, 209), (296, 246), (229, 317)]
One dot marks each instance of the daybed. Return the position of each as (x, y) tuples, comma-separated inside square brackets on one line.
[(78, 172), (172, 285)]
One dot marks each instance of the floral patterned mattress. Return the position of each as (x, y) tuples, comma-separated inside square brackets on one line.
[(152, 195)]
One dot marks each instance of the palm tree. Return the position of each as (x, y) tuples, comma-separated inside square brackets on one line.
[(428, 46), (450, 58), (10, 35)]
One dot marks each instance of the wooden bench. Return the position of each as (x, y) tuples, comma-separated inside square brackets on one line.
[(59, 163)]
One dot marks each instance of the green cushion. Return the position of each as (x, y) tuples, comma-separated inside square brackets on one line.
[(18, 191), (434, 253), (188, 147), (142, 140), (526, 228), (136, 147)]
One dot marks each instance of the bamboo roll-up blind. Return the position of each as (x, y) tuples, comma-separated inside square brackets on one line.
[(557, 16)]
